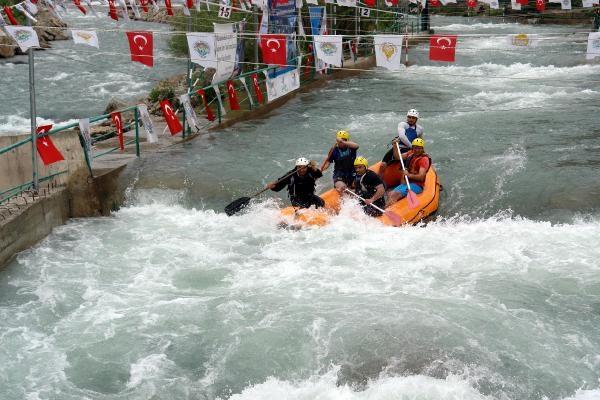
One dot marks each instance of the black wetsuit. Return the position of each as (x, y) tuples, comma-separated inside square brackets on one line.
[(301, 189)]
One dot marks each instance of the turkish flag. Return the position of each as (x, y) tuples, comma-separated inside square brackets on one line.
[(435, 3), (118, 121), (141, 47), (189, 3), (259, 95), (209, 114), (540, 5), (471, 3), (233, 103), (144, 4), (172, 120), (112, 10), (274, 49), (442, 48), (523, 2), (370, 3), (45, 147), (168, 6), (10, 15), (79, 6)]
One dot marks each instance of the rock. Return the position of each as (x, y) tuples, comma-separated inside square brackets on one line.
[(6, 51), (115, 104)]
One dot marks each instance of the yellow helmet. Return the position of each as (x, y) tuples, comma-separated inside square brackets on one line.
[(345, 135), (361, 161), (418, 142)]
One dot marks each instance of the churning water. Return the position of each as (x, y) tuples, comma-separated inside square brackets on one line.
[(497, 299)]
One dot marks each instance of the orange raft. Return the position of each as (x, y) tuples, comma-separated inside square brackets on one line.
[(428, 202)]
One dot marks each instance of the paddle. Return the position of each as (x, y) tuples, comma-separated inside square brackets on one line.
[(413, 202), (395, 218), (241, 203)]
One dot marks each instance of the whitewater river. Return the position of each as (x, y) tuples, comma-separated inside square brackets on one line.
[(497, 299)]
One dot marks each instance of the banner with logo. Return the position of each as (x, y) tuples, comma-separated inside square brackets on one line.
[(282, 84), (523, 40), (226, 52), (388, 51), (151, 136), (201, 46), (85, 37), (190, 114), (329, 49), (25, 36), (593, 47), (86, 134)]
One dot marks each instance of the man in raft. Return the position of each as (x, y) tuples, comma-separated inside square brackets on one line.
[(417, 164), (368, 185), (301, 183), (407, 132), (342, 154)]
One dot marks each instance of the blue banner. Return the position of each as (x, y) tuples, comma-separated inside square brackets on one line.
[(282, 20), (316, 17)]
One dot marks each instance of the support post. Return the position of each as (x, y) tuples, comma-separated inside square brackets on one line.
[(137, 131), (32, 116)]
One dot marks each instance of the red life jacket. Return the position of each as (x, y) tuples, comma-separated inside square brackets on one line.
[(412, 162)]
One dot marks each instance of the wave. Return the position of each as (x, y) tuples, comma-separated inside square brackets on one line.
[(477, 26), (16, 124)]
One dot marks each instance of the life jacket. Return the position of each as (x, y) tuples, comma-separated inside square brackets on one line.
[(412, 162), (411, 133), (302, 185), (344, 164), (367, 191)]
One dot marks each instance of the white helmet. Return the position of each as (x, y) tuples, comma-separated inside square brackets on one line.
[(412, 113), (302, 162)]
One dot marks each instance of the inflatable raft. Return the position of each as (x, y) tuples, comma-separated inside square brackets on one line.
[(428, 203)]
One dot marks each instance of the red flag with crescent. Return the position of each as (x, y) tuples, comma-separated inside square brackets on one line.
[(169, 8), (79, 6), (172, 120), (112, 10), (442, 48), (274, 49), (117, 119), (144, 4), (471, 3), (523, 2), (45, 146), (10, 15), (233, 103), (370, 3), (540, 5), (209, 114), (435, 3), (257, 91), (189, 3), (141, 47)]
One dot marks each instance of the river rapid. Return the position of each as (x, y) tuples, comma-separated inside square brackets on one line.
[(496, 299)]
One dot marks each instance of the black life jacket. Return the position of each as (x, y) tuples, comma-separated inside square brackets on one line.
[(302, 185)]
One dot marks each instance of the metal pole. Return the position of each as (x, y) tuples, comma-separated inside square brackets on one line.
[(137, 132), (186, 128), (32, 116), (255, 10)]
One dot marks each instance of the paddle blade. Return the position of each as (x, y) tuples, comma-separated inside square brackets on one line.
[(395, 218), (237, 205), (413, 202)]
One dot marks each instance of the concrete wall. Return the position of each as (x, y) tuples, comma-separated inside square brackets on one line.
[(16, 166), (32, 224)]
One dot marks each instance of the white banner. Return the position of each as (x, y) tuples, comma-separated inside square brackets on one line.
[(135, 9), (282, 84), (329, 49), (144, 115), (190, 114), (593, 47), (225, 50), (565, 4), (25, 36), (218, 91), (243, 80), (85, 37), (347, 3), (494, 5), (388, 51), (202, 49), (523, 40), (587, 3), (86, 134), (514, 5), (26, 13)]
